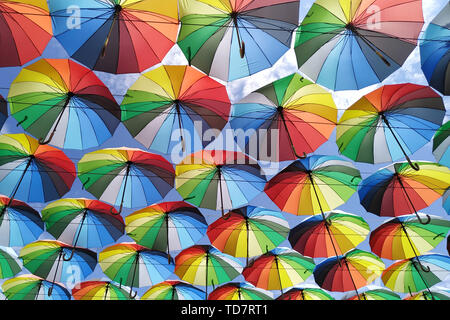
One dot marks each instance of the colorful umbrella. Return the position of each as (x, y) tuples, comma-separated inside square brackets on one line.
[(3, 111), (10, 265), (239, 291), (441, 144), (133, 265), (352, 271), (166, 226), (171, 98), (338, 233), (278, 269), (173, 290), (235, 39), (425, 295), (446, 200), (313, 185), (62, 103), (83, 222), (26, 29), (116, 36), (248, 231), (434, 52), (204, 265), (305, 294), (350, 44), (399, 189), (219, 180), (45, 258), (298, 113), (126, 177), (20, 224), (99, 290), (33, 172), (390, 123), (405, 237), (31, 287), (412, 275), (376, 294)]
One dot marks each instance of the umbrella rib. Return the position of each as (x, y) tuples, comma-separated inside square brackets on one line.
[(413, 262), (351, 277), (58, 120), (410, 201)]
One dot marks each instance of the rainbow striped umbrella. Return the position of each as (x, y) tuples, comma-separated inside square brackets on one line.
[(298, 293), (99, 290), (10, 265), (3, 111), (239, 291), (173, 290), (375, 294), (31, 287), (441, 144), (434, 295)]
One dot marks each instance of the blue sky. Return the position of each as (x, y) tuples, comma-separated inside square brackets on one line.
[(118, 84)]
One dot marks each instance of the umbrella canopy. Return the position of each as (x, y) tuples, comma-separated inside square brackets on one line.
[(10, 265), (99, 290), (305, 294), (434, 52), (46, 259), (33, 172), (278, 269), (313, 185), (83, 222), (441, 144), (171, 98), (390, 123), (239, 291), (230, 40), (352, 44), (219, 180), (126, 177), (425, 295), (62, 103), (399, 189), (26, 29), (248, 231), (298, 113), (116, 36), (376, 294), (3, 111), (405, 237), (31, 287), (133, 265), (173, 290), (352, 271), (446, 200), (166, 226), (204, 265), (412, 275), (20, 224), (338, 233)]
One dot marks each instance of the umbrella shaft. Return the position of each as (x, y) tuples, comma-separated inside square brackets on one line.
[(11, 198), (351, 277), (385, 120)]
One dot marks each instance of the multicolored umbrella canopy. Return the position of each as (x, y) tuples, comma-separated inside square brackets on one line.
[(99, 290), (405, 237), (219, 180), (166, 226), (352, 44), (26, 29), (83, 222), (446, 200), (126, 177), (33, 172), (352, 271), (399, 189), (20, 224), (416, 274), (425, 295), (3, 111), (232, 39), (116, 36), (133, 265), (64, 104), (239, 291), (248, 231), (297, 113), (441, 144), (376, 294), (390, 123), (434, 52), (31, 287), (46, 259), (278, 269), (168, 99), (10, 265), (338, 233), (305, 294), (173, 290), (204, 265), (313, 185)]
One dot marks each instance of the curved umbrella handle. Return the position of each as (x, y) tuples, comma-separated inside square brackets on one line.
[(118, 213), (71, 255), (43, 142), (424, 268), (426, 221), (413, 165), (23, 120), (132, 294)]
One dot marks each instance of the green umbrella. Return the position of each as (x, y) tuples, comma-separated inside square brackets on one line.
[(10, 265)]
